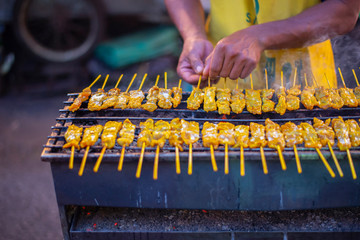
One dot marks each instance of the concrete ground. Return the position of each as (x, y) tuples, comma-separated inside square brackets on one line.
[(27, 202)]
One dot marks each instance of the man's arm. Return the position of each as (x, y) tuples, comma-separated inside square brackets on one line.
[(238, 54), (188, 16)]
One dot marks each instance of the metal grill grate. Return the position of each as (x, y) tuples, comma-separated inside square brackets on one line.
[(83, 117)]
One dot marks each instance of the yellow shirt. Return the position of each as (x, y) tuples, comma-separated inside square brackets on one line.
[(229, 16)]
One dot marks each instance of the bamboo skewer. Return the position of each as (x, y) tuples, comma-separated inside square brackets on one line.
[(356, 79), (98, 162), (131, 82), (121, 160), (142, 82), (325, 162), (251, 82), (242, 161), (282, 79), (156, 163), (327, 80), (226, 163), (177, 161), (282, 161), (177, 156), (83, 162), (92, 84), (266, 79), (157, 80), (263, 161), (341, 174), (295, 75), (165, 79), (342, 78), (306, 83), (213, 161), (190, 160), (71, 161), (138, 170), (118, 81), (297, 159), (103, 86), (351, 163), (198, 86)]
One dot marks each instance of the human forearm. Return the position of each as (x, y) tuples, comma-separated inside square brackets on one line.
[(188, 16), (316, 24)]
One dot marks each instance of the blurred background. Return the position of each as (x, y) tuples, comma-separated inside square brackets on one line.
[(52, 47)]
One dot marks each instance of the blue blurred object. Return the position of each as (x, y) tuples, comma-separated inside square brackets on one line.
[(140, 46)]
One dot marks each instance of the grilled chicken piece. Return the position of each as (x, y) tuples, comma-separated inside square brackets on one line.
[(293, 134), (210, 135), (91, 135), (176, 100), (241, 136), (109, 134), (165, 98), (347, 94), (226, 133), (336, 101), (146, 130), (237, 101), (342, 133), (82, 97), (295, 90), (152, 98), (110, 98), (324, 131), (308, 99), (354, 132), (253, 101), (223, 96), (323, 97), (136, 98), (292, 99), (195, 99), (73, 136), (267, 104), (161, 133), (281, 106), (274, 136), (311, 138), (209, 99), (357, 94), (122, 100), (127, 133), (257, 135), (190, 131), (96, 100), (175, 139)]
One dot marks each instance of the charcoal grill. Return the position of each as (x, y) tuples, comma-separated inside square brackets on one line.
[(204, 189)]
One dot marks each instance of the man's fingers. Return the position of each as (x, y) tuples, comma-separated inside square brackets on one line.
[(226, 68), (249, 67), (217, 61), (196, 63), (237, 68)]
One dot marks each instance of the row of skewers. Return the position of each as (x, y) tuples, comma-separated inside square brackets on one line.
[(222, 100), (157, 97), (179, 132), (260, 101)]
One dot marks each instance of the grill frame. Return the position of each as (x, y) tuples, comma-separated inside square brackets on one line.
[(204, 189)]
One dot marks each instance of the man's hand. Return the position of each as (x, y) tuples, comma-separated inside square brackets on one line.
[(192, 59), (235, 55)]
